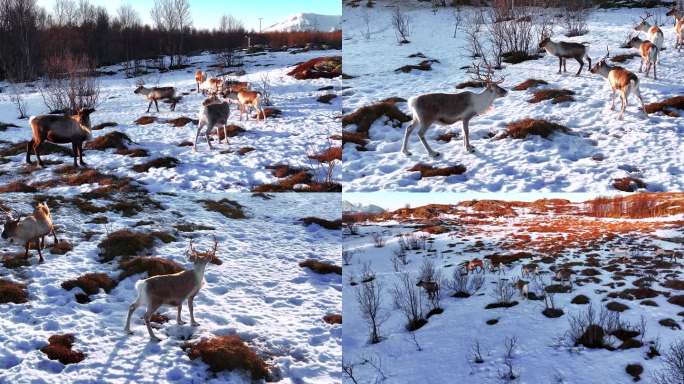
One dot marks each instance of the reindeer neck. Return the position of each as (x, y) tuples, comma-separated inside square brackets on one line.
[(198, 270), (483, 100)]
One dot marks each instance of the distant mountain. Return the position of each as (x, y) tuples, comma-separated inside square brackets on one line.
[(351, 207), (307, 22)]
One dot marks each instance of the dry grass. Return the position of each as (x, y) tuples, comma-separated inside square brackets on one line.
[(628, 184), (358, 138), (228, 353), (269, 112), (17, 186), (332, 318), (152, 266), (319, 67), (283, 170), (328, 155), (667, 106), (623, 58), (555, 95), (125, 243), (61, 248), (115, 139), (18, 260), (522, 128), (425, 65), (162, 162), (181, 121), (430, 171), (327, 98), (91, 283), (11, 292), (327, 224), (135, 152), (59, 348), (104, 125), (365, 116), (529, 83), (144, 120), (321, 267), (232, 130), (228, 208)]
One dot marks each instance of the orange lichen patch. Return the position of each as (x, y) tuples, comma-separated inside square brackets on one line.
[(228, 353), (521, 129), (430, 171), (333, 319), (667, 106), (328, 155), (435, 229)]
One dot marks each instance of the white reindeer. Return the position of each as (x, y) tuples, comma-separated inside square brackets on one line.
[(449, 108)]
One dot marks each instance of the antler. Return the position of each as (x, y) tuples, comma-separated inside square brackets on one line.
[(6, 212), (607, 53), (210, 254), (488, 77)]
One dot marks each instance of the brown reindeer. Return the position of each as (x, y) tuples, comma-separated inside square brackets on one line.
[(431, 287), (199, 78), (31, 229), (621, 80), (155, 94), (248, 99), (564, 50), (649, 55), (474, 264), (211, 85), (530, 269), (74, 129), (173, 289)]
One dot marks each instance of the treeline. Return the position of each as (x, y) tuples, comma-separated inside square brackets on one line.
[(636, 206), (31, 36)]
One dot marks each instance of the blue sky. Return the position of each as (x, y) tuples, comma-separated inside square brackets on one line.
[(206, 13), (395, 200)]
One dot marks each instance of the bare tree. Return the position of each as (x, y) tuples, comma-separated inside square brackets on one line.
[(457, 15), (65, 12), (69, 84), (409, 299), (673, 372), (366, 31), (173, 17), (402, 25), (230, 24), (369, 297), (18, 101), (127, 16), (575, 18)]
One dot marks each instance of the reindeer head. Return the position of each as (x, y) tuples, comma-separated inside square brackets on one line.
[(644, 24), (544, 41), (205, 257), (488, 80), (672, 12), (601, 64), (139, 89), (10, 227)]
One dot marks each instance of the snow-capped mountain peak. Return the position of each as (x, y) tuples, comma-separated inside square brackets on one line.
[(307, 22)]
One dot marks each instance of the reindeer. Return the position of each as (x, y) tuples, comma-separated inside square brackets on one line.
[(564, 275), (564, 50), (211, 85), (213, 113), (155, 94), (530, 269), (199, 78), (679, 23), (31, 229), (654, 34), (230, 88), (620, 80), (74, 129), (649, 54), (431, 287), (247, 99), (523, 287), (173, 289), (474, 264), (674, 12), (449, 108)]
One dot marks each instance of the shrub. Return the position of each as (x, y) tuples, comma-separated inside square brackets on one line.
[(402, 25), (409, 299), (124, 243), (229, 353), (321, 267), (59, 348), (70, 83), (369, 297), (673, 372), (152, 266), (11, 292)]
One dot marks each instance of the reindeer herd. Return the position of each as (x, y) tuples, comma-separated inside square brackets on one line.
[(449, 108)]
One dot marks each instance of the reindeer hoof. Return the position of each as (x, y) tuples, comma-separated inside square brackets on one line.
[(406, 153), (195, 324), (182, 322), (435, 154)]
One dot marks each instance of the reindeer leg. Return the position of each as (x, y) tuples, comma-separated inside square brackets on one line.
[(131, 309), (560, 64), (206, 134), (199, 129), (151, 308), (36, 150), (54, 234), (655, 76), (581, 62), (178, 316), (565, 64), (149, 106), (624, 105), (421, 136), (156, 104), (74, 149), (26, 254), (407, 133), (40, 255), (29, 148), (641, 66), (638, 95), (80, 154), (192, 311), (466, 139)]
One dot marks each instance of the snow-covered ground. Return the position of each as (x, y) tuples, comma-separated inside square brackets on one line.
[(304, 128), (649, 149), (441, 350), (259, 293)]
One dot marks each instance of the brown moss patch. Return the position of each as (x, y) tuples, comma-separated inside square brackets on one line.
[(430, 171), (580, 299), (676, 300), (181, 121), (124, 243), (327, 224), (670, 323), (616, 306), (228, 353), (358, 138), (17, 186), (301, 181), (245, 150), (623, 58), (328, 155), (152, 266), (283, 170), (61, 248), (556, 95), (628, 184), (11, 292), (115, 139), (674, 284), (18, 260), (529, 83), (365, 116), (667, 106), (144, 120), (134, 152), (327, 98), (521, 129), (100, 126), (321, 267), (434, 229), (425, 65), (232, 130), (91, 283), (60, 348), (192, 227), (635, 370), (319, 67), (333, 318), (269, 112), (228, 208), (447, 137), (162, 162)]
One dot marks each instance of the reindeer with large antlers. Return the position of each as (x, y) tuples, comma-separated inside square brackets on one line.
[(449, 108), (620, 80), (653, 32), (173, 289)]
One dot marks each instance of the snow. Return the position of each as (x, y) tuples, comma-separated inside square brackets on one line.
[(259, 293), (369, 208), (304, 128), (649, 149), (307, 22), (541, 355)]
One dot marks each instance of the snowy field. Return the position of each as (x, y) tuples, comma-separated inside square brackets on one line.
[(649, 149), (259, 293), (303, 129), (442, 349)]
